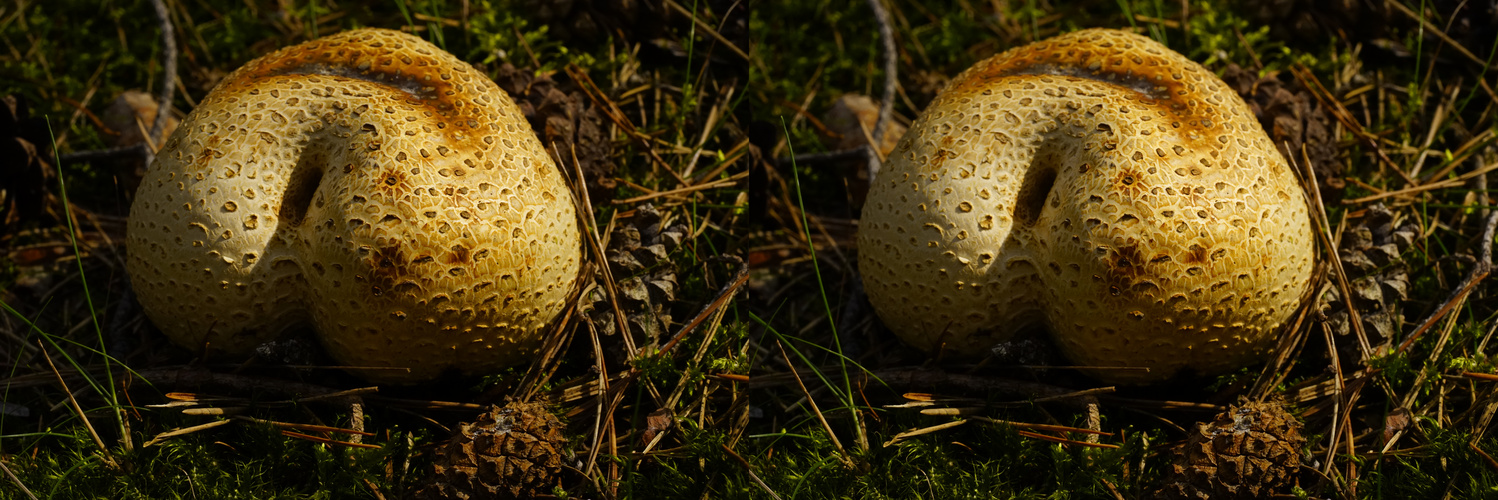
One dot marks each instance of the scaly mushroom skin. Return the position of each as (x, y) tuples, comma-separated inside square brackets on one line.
[(367, 184), (1103, 186)]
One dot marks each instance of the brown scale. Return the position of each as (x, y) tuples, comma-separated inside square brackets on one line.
[(1125, 266), (386, 266), (1131, 182)]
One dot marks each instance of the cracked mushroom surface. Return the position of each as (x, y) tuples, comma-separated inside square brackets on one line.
[(366, 184), (1103, 186)]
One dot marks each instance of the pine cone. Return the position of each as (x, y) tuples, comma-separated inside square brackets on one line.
[(27, 177), (567, 122), (1292, 116), (639, 256), (1376, 276), (510, 452), (1248, 451)]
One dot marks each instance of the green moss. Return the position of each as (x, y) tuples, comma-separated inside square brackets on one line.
[(235, 461)]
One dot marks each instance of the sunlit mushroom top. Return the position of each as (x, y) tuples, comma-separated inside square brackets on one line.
[(366, 184), (1098, 184)]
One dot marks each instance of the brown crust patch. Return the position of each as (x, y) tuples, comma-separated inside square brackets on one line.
[(386, 267), (1124, 266), (1194, 254), (458, 255)]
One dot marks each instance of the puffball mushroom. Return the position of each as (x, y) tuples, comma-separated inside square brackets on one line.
[(1098, 184), (366, 184)]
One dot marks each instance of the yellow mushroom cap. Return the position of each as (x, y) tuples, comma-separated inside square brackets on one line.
[(1098, 184), (367, 184)]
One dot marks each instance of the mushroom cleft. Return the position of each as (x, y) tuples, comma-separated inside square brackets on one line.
[(368, 185), (1102, 186)]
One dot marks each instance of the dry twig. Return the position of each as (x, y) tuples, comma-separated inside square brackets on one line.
[(836, 443), (891, 73), (16, 480), (103, 450), (1481, 270), (1438, 32), (749, 470)]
